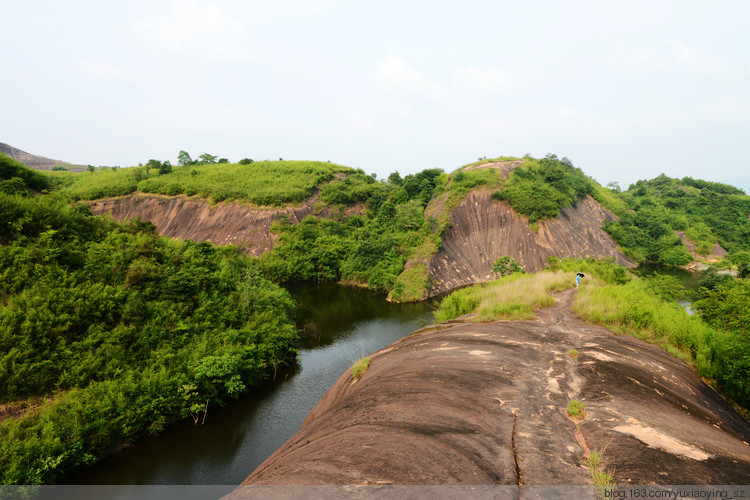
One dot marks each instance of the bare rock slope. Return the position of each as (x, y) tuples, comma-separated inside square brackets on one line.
[(197, 220), (470, 403), (483, 230)]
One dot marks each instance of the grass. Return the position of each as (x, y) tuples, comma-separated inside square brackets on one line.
[(411, 284), (573, 353), (268, 183), (633, 310), (461, 184), (576, 409), (512, 297), (360, 367), (601, 478)]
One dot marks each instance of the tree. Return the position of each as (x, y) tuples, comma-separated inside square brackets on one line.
[(505, 266), (165, 168), (90, 168), (206, 159), (246, 161), (742, 261), (184, 159), (223, 160), (395, 179)]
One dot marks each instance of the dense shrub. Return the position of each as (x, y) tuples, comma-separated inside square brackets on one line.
[(121, 331), (540, 188)]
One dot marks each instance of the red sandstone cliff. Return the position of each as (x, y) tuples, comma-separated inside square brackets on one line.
[(483, 230)]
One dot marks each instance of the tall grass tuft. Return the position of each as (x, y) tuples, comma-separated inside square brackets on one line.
[(513, 297), (635, 310)]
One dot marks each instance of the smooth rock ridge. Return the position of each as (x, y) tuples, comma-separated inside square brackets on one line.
[(471, 403)]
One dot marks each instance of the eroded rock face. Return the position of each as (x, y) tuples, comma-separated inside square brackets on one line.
[(470, 403), (483, 230), (223, 224)]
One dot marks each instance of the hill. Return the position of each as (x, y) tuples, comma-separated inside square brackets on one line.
[(30, 160), (658, 212), (343, 225), (109, 332)]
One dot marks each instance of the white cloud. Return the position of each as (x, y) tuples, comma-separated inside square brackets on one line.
[(101, 70), (637, 57), (694, 59), (394, 74), (355, 120), (198, 28), (473, 78)]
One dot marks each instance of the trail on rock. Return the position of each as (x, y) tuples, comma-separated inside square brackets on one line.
[(485, 403)]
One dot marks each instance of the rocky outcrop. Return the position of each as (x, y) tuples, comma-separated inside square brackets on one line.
[(470, 403), (246, 227), (483, 230), (717, 252), (28, 159)]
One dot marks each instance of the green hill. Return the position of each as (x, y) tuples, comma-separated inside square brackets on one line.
[(707, 212), (109, 332)]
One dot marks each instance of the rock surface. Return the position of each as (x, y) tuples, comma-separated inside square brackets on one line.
[(223, 224), (483, 230), (471, 403), (28, 159)]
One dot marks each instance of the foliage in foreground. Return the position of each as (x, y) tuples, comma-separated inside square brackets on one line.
[(113, 332)]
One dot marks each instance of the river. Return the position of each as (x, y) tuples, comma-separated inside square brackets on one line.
[(339, 325)]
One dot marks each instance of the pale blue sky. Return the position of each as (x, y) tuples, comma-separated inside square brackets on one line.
[(626, 90)]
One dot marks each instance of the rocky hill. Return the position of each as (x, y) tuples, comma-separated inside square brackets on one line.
[(28, 159), (471, 403), (483, 230), (224, 224)]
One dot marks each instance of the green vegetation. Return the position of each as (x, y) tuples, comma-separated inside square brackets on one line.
[(505, 266), (576, 409), (513, 297), (109, 332), (715, 342), (360, 367), (17, 179), (727, 307), (452, 190), (371, 248), (540, 188), (261, 183), (707, 212), (602, 478), (573, 353)]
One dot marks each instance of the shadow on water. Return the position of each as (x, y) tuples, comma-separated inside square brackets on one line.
[(340, 324)]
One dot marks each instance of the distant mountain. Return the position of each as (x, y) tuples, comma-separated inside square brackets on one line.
[(30, 160)]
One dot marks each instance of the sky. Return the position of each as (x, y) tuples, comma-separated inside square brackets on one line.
[(626, 90)]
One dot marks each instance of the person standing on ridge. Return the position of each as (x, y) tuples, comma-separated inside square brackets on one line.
[(578, 278)]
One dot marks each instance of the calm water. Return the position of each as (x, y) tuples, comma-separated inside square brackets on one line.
[(689, 279), (339, 324)]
